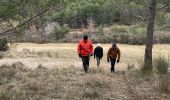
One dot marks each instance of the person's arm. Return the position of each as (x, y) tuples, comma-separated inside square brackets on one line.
[(79, 48), (119, 54), (108, 54), (102, 52), (91, 49), (94, 53)]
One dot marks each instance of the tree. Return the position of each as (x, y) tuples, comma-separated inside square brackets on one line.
[(26, 10), (150, 29)]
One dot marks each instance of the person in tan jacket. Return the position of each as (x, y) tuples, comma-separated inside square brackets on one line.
[(113, 56)]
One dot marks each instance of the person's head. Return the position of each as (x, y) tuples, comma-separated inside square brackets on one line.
[(114, 45), (85, 38), (98, 44)]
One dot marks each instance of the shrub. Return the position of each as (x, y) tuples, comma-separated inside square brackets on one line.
[(105, 39), (120, 29), (3, 45), (120, 34), (160, 18), (124, 38), (99, 29), (61, 32), (136, 39), (167, 18), (145, 68), (95, 39), (138, 30), (10, 95), (166, 39), (162, 66), (162, 38), (6, 74)]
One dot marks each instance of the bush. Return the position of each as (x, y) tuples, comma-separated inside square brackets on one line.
[(145, 69), (137, 39), (160, 18), (99, 29), (120, 29), (162, 66), (164, 37), (124, 38), (167, 18), (120, 34), (3, 45), (61, 32), (95, 39), (138, 30), (6, 74)]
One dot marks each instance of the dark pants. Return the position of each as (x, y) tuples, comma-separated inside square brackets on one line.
[(113, 61), (98, 61), (85, 60)]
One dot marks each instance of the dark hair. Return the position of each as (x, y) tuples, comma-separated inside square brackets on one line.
[(114, 44), (85, 37)]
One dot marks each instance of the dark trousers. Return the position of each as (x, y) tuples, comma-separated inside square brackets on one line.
[(85, 60), (113, 61), (98, 61)]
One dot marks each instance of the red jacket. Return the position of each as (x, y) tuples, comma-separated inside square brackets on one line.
[(85, 49)]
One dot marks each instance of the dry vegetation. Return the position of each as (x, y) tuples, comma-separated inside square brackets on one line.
[(18, 83), (54, 71)]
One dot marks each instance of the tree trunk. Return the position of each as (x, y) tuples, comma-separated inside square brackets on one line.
[(150, 29)]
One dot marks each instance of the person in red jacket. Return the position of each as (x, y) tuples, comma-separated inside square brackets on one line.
[(85, 50)]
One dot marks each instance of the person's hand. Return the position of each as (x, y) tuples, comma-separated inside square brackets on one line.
[(108, 60), (80, 55), (117, 61)]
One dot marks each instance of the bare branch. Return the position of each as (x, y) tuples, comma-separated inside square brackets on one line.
[(159, 9), (140, 18), (3, 33), (8, 32)]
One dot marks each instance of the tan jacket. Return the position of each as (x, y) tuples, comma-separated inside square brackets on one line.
[(113, 53)]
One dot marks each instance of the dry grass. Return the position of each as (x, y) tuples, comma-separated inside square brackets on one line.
[(162, 66), (73, 84), (65, 54), (36, 79)]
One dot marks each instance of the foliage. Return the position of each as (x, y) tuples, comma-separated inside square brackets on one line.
[(120, 29), (61, 31), (138, 30), (162, 65), (145, 69), (75, 13), (3, 44), (9, 8)]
